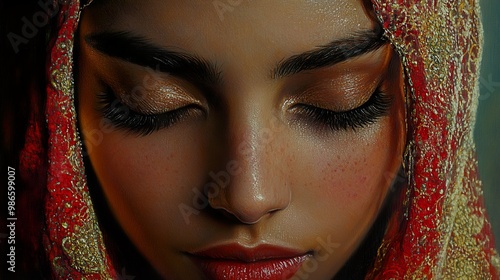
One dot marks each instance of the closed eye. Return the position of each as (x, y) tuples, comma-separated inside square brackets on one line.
[(368, 113), (123, 117)]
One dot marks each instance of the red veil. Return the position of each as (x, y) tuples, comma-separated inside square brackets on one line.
[(440, 231)]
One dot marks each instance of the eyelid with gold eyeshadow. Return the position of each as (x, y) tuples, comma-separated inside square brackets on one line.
[(162, 99), (122, 116)]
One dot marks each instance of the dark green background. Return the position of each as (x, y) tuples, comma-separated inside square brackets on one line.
[(487, 131)]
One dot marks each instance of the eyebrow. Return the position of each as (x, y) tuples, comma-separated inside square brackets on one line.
[(140, 51), (337, 51)]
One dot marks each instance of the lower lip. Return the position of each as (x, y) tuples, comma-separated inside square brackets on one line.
[(270, 269)]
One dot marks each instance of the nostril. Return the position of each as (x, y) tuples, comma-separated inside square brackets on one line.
[(274, 211), (223, 213), (235, 208)]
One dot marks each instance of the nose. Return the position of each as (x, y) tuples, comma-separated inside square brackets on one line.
[(258, 188)]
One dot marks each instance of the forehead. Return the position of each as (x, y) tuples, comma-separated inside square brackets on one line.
[(233, 20)]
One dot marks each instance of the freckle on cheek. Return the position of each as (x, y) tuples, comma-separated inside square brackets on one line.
[(352, 195), (362, 180)]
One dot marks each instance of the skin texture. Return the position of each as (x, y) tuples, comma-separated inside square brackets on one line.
[(290, 183)]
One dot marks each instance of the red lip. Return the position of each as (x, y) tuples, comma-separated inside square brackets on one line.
[(234, 261)]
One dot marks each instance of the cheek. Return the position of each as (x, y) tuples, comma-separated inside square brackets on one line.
[(354, 173), (349, 184), (145, 179)]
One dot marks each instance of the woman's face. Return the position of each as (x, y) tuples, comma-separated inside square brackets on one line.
[(243, 138)]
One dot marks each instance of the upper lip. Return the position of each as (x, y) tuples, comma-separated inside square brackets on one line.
[(238, 252)]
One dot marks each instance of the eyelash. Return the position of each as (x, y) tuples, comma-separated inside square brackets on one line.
[(121, 116), (377, 106)]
